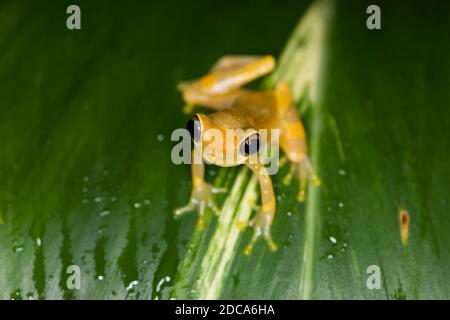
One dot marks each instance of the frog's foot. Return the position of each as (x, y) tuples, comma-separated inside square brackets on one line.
[(305, 173), (201, 198), (261, 224), (288, 177)]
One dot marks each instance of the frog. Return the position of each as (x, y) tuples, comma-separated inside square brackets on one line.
[(235, 108)]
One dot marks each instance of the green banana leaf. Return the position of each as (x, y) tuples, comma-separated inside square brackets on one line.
[(86, 176)]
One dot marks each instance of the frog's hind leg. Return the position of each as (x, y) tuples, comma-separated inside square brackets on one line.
[(232, 72), (222, 85), (192, 96), (230, 62), (293, 143)]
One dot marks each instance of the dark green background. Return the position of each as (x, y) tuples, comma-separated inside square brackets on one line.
[(80, 113)]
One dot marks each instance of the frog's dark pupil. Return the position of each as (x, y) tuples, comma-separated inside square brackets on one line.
[(250, 145), (194, 128)]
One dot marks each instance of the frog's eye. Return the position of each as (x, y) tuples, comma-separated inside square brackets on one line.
[(194, 127), (250, 145)]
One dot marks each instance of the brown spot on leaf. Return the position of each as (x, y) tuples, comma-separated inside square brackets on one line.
[(404, 226)]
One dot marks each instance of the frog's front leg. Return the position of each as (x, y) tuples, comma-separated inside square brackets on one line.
[(201, 194), (262, 221)]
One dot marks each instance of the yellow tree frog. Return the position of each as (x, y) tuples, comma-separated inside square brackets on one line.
[(237, 108)]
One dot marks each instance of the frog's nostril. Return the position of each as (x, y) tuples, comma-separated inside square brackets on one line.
[(194, 128)]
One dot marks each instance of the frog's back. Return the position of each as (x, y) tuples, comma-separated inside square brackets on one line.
[(259, 108)]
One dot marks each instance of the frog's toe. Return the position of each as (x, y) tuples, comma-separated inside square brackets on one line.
[(213, 207), (301, 191), (248, 250), (218, 190), (288, 177), (187, 208), (315, 180), (241, 225), (200, 226), (201, 199), (261, 224)]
